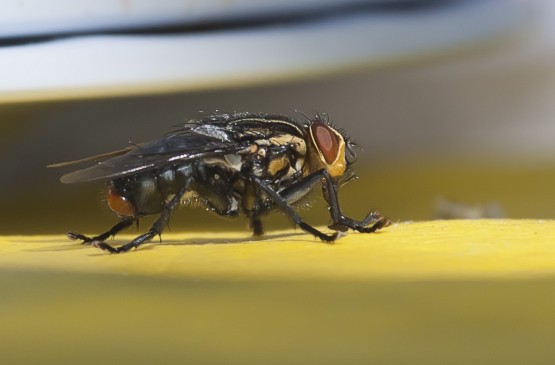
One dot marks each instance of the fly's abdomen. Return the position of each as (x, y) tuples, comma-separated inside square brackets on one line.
[(131, 197), (119, 203), (152, 191), (146, 193), (172, 178), (148, 196)]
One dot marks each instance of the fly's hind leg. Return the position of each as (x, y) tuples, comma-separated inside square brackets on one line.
[(156, 228), (103, 236)]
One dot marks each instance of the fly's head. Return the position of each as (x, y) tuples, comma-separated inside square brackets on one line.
[(328, 148)]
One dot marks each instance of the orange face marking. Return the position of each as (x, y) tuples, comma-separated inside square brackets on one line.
[(326, 141), (120, 204)]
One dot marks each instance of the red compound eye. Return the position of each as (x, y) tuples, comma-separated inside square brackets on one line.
[(120, 204), (326, 141)]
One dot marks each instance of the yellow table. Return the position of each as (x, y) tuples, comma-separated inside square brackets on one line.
[(437, 292)]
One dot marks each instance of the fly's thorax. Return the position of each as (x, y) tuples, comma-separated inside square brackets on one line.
[(279, 165), (213, 188), (283, 155), (326, 150), (280, 155), (231, 161)]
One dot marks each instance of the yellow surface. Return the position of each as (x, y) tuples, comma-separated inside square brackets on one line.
[(427, 250), (439, 292)]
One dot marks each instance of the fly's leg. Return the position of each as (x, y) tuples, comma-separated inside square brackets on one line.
[(256, 225), (374, 221), (156, 228), (371, 223), (103, 236), (282, 203), (255, 222)]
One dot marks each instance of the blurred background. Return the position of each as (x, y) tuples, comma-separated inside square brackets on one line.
[(450, 100)]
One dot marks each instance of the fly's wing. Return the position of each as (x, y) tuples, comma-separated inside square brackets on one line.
[(97, 158), (187, 144)]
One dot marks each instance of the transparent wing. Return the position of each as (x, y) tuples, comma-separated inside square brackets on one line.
[(184, 145)]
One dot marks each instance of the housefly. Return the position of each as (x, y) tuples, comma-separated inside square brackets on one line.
[(231, 163)]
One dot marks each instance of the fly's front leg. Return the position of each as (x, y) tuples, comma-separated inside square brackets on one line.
[(103, 236), (156, 228), (371, 223), (284, 205)]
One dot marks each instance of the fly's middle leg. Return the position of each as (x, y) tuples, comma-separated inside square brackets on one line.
[(256, 225), (282, 203)]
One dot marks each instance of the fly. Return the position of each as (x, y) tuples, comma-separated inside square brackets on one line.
[(231, 163)]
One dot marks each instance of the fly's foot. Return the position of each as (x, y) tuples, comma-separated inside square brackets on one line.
[(373, 222), (86, 240), (327, 238), (98, 241), (378, 224)]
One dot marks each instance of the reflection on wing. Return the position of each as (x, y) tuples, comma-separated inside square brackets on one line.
[(183, 145)]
